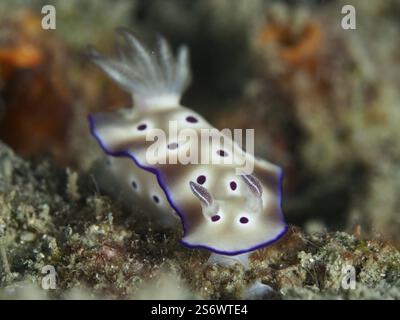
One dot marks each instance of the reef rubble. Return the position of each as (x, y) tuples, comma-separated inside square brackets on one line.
[(50, 216)]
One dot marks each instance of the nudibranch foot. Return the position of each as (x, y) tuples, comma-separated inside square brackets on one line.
[(224, 260)]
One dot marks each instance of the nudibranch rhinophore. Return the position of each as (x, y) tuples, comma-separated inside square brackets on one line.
[(224, 211)]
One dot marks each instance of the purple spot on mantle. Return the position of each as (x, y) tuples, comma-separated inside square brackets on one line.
[(201, 179), (233, 185), (215, 218), (191, 119), (142, 127), (156, 199), (173, 146), (222, 153), (244, 220)]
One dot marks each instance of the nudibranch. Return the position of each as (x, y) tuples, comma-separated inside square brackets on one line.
[(226, 212)]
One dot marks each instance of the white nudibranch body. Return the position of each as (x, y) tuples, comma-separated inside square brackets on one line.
[(219, 209)]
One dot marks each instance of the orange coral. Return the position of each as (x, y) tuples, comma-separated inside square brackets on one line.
[(20, 49), (24, 56), (295, 49), (34, 88)]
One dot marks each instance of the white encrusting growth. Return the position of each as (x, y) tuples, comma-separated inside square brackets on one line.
[(154, 78)]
